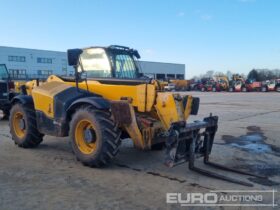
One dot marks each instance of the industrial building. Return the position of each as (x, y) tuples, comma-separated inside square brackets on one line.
[(24, 63)]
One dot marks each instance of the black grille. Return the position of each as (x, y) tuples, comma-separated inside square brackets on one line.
[(3, 90)]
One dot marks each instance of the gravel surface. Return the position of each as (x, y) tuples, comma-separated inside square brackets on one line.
[(49, 177)]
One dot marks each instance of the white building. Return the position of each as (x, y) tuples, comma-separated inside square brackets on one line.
[(30, 63), (159, 70)]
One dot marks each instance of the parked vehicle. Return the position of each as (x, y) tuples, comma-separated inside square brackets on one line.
[(97, 113), (236, 83), (196, 86), (251, 86), (6, 90), (181, 84), (169, 87), (211, 85), (271, 85), (222, 82), (236, 86)]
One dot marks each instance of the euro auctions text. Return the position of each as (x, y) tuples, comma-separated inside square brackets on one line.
[(224, 198)]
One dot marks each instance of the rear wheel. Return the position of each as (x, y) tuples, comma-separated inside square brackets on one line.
[(94, 136), (6, 114), (244, 89), (264, 89), (23, 126), (158, 146)]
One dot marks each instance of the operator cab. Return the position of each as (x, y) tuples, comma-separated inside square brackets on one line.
[(110, 62), (106, 62)]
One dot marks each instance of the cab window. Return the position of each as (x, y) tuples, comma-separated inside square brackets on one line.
[(95, 63), (125, 67)]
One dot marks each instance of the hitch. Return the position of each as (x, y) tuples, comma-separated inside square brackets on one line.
[(185, 144)]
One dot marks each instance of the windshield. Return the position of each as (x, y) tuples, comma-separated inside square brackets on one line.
[(95, 63), (3, 72), (125, 67)]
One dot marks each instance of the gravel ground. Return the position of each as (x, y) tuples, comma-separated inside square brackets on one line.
[(49, 177)]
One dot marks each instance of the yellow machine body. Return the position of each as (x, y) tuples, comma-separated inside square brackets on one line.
[(43, 96), (144, 101)]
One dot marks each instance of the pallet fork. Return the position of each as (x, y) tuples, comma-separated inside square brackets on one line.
[(185, 143)]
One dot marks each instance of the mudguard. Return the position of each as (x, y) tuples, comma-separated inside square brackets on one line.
[(97, 102), (24, 99)]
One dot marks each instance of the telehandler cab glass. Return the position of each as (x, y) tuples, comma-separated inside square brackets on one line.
[(125, 67), (95, 62), (3, 72), (108, 62)]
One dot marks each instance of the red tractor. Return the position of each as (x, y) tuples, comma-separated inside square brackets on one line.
[(272, 85), (251, 86)]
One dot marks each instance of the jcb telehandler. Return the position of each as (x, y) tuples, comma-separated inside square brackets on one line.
[(107, 101)]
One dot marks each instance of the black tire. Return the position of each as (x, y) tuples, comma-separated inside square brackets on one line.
[(31, 137), (158, 146), (214, 89), (264, 89), (6, 114), (244, 89), (278, 89), (230, 89), (105, 136), (203, 89)]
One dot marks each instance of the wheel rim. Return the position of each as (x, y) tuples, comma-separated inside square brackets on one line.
[(19, 124), (85, 137)]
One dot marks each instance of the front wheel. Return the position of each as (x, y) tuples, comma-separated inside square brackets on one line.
[(94, 136), (23, 126)]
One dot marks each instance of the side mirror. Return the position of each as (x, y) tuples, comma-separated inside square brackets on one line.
[(73, 56), (136, 54)]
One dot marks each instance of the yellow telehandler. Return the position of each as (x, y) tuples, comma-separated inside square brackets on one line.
[(107, 101)]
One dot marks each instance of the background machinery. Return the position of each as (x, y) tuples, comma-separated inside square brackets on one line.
[(222, 83), (210, 85), (271, 85), (107, 101), (181, 84), (6, 90), (251, 85), (236, 83)]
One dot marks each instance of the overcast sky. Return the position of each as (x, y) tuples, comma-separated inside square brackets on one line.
[(221, 35)]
